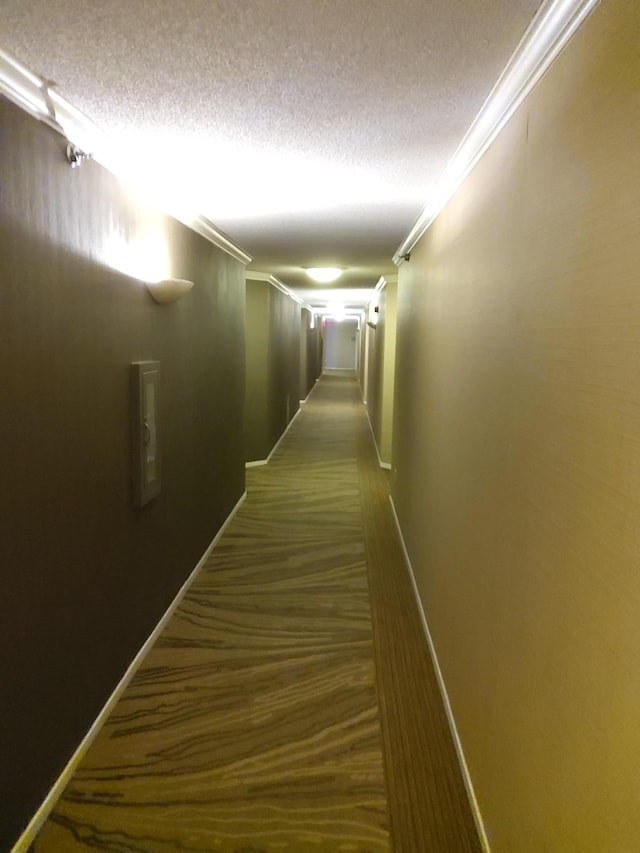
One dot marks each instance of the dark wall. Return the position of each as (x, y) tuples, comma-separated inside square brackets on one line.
[(310, 353), (257, 333), (273, 363), (314, 354), (284, 360), (86, 576)]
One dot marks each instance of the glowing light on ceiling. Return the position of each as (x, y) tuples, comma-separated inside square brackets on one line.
[(336, 311), (324, 274), (229, 182), (351, 297)]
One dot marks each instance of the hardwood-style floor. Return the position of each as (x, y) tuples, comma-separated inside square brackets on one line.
[(290, 704)]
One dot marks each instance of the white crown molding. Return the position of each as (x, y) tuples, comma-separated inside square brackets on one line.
[(553, 25), (22, 87), (383, 281), (205, 228), (279, 285), (39, 98)]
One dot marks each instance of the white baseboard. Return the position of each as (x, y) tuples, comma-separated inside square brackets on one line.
[(256, 462), (313, 388), (266, 461), (477, 815), (382, 464), (35, 824), (278, 442)]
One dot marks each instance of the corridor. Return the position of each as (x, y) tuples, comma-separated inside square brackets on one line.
[(290, 703)]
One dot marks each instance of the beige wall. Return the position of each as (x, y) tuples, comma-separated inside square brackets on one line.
[(381, 369), (362, 352), (86, 575), (517, 452), (374, 367), (388, 311)]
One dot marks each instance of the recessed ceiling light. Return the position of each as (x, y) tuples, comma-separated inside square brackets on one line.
[(324, 274)]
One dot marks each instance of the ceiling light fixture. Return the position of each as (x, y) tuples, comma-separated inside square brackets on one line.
[(324, 274)]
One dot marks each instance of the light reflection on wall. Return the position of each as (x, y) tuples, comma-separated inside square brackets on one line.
[(145, 256)]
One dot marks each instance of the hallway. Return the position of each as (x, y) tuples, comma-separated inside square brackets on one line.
[(291, 682)]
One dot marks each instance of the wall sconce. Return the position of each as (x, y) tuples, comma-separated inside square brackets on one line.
[(169, 289)]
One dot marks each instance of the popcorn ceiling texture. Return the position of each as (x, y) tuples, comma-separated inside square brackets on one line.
[(254, 102)]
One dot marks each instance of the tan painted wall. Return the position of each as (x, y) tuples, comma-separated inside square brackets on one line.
[(381, 370), (388, 309), (375, 352), (517, 449), (362, 357)]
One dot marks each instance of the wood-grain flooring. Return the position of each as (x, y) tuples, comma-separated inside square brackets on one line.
[(272, 716)]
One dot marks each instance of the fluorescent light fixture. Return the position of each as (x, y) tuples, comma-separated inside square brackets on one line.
[(324, 274)]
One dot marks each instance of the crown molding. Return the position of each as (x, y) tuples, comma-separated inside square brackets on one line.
[(552, 27), (22, 87), (39, 97), (382, 282), (203, 226), (279, 285)]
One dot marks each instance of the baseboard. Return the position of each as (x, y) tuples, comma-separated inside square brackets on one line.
[(35, 824), (278, 442), (257, 462), (275, 446), (313, 388), (341, 369), (382, 464), (477, 816)]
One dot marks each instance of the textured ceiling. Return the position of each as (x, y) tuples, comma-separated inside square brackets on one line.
[(311, 131)]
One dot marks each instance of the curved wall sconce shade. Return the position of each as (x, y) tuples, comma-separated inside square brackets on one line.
[(169, 289)]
